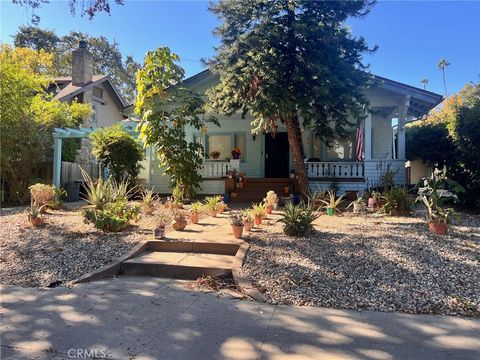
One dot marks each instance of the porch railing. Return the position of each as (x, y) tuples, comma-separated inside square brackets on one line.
[(330, 169), (219, 169)]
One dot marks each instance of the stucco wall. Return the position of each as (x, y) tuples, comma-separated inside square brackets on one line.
[(109, 113)]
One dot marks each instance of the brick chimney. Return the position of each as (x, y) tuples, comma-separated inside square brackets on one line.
[(82, 65)]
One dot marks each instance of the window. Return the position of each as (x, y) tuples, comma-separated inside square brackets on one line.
[(97, 92), (223, 143), (337, 149)]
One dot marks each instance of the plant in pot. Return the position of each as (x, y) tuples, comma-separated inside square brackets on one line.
[(195, 211), (42, 194), (236, 220), (358, 205), (215, 155), (270, 201), (332, 203), (373, 199), (178, 194), (211, 204), (148, 201), (35, 215), (222, 207), (258, 211), (161, 221), (297, 219), (236, 153), (248, 220), (179, 222)]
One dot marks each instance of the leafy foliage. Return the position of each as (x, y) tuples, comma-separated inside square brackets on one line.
[(333, 202), (28, 117), (118, 150), (297, 219), (212, 203), (41, 194), (167, 108), (236, 219), (396, 202), (114, 216), (107, 58), (281, 59)]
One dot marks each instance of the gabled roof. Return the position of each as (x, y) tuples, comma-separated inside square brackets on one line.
[(66, 90)]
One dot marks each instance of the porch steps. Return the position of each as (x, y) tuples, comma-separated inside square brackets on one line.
[(256, 189)]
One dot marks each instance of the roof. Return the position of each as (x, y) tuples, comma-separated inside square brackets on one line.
[(66, 90)]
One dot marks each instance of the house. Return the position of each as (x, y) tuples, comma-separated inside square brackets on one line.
[(85, 87), (266, 160)]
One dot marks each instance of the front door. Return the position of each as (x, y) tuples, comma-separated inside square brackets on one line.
[(276, 155)]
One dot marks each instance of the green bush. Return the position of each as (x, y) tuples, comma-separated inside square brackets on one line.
[(396, 202), (113, 217), (297, 219)]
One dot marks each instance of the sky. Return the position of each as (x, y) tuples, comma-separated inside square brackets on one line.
[(412, 36)]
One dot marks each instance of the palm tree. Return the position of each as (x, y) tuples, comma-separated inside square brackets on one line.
[(424, 82), (442, 64)]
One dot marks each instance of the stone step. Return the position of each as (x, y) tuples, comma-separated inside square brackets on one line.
[(179, 265)]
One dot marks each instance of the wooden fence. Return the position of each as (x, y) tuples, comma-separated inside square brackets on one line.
[(71, 171)]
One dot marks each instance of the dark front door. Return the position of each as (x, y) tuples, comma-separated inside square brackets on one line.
[(276, 155)]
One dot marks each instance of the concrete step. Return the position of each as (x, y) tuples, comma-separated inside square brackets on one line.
[(179, 265)]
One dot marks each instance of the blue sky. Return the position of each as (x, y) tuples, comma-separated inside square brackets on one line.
[(412, 35)]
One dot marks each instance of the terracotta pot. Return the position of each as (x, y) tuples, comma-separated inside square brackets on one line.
[(36, 221), (286, 189), (237, 231), (372, 202), (248, 226), (221, 210), (179, 224), (213, 213), (269, 209), (194, 218), (258, 220), (438, 228), (148, 210), (159, 232)]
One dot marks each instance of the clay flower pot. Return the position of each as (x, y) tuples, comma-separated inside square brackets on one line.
[(237, 231), (213, 213), (36, 221), (179, 224), (194, 217), (221, 210), (258, 220), (269, 209), (248, 226), (438, 228), (159, 232)]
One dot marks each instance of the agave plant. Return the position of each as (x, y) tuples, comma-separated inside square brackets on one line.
[(297, 219), (212, 203), (97, 193), (148, 197), (333, 202)]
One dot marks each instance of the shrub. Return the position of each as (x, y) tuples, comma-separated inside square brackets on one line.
[(297, 219), (42, 194), (212, 203), (57, 202), (396, 202), (113, 217)]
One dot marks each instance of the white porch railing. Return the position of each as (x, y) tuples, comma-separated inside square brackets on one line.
[(331, 169), (219, 169)]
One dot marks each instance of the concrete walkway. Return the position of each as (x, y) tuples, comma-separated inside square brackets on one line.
[(151, 318)]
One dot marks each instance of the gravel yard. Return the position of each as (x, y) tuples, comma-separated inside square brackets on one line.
[(370, 262), (61, 251)]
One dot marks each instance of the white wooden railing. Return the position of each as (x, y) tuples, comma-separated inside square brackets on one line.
[(218, 168), (335, 169)]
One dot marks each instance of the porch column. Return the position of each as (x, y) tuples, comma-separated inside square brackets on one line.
[(57, 160), (402, 115), (368, 137)]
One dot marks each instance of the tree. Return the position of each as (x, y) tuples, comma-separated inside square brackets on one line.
[(119, 151), (424, 82), (88, 7), (442, 64), (107, 58), (167, 108), (28, 116), (280, 61)]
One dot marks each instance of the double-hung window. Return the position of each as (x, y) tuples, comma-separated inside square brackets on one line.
[(223, 144)]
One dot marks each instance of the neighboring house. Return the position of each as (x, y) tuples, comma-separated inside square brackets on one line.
[(266, 159), (97, 90)]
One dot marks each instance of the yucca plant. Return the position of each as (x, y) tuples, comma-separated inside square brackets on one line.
[(97, 193), (332, 202), (297, 219)]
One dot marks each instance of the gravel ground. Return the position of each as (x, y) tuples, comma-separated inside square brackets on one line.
[(370, 262), (61, 251)]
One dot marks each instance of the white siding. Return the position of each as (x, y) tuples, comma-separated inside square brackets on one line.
[(382, 138)]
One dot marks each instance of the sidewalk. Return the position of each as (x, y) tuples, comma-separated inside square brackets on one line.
[(160, 319)]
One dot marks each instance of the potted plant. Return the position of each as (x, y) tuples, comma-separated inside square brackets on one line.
[(236, 153), (221, 207), (358, 205), (195, 211), (332, 203), (258, 211), (373, 199), (161, 221), (270, 201), (215, 155), (148, 201), (179, 222), (236, 220), (247, 220), (35, 215), (211, 204)]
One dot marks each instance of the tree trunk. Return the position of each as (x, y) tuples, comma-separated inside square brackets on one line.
[(298, 153)]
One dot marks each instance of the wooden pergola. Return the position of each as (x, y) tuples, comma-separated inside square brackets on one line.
[(69, 133)]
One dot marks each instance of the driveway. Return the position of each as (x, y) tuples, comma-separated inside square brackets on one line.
[(148, 318)]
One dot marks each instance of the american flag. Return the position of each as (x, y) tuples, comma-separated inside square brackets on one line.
[(359, 141)]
